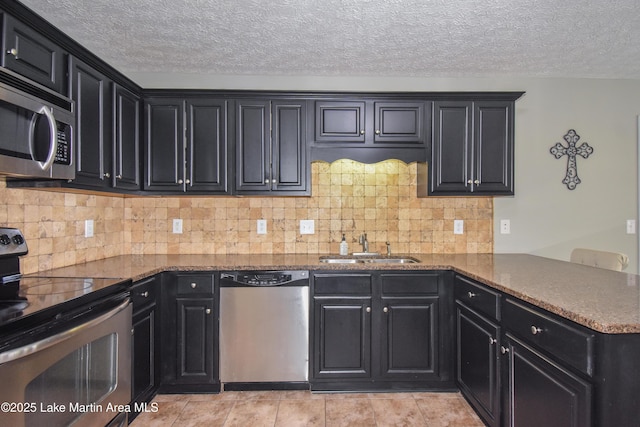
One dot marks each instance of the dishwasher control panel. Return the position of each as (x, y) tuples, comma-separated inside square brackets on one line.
[(264, 278)]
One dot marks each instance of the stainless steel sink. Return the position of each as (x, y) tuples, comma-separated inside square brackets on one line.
[(368, 260)]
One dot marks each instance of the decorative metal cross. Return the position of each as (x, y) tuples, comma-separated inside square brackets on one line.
[(559, 150)]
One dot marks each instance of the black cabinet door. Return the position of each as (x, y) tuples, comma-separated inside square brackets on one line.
[(409, 338), (452, 133), (477, 369), (493, 147), (164, 153), (126, 139), (143, 361), (342, 338), (399, 122), (541, 392), (90, 90), (206, 145), (289, 147), (195, 340), (253, 145), (340, 122), (33, 55)]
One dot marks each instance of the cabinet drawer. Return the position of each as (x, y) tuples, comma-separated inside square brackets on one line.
[(565, 341), (394, 284), (478, 297), (143, 293), (195, 284), (342, 284)]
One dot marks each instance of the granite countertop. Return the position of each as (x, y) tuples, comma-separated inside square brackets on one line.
[(603, 300)]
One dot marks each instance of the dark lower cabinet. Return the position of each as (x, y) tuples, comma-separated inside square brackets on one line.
[(144, 360), (189, 333), (381, 331), (540, 392), (477, 367)]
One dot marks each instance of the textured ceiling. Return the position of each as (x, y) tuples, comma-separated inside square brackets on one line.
[(424, 38)]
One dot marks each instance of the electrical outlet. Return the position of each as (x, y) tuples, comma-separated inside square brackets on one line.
[(177, 226), (631, 226), (458, 226), (261, 226), (88, 228), (307, 226), (505, 226)]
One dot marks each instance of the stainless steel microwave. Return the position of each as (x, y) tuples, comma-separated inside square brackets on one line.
[(36, 130)]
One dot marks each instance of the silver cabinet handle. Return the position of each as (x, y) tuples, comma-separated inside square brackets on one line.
[(13, 51), (471, 294), (361, 131), (144, 294), (368, 309), (107, 175), (504, 350), (187, 181), (118, 176), (535, 330), (492, 340), (193, 285), (386, 309), (476, 182), (208, 311), (469, 181), (377, 131), (180, 181)]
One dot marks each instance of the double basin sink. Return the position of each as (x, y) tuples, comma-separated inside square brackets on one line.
[(368, 258)]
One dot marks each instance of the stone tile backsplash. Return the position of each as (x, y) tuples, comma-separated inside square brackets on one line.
[(347, 197)]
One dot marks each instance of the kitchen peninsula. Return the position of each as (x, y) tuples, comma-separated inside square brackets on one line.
[(573, 327)]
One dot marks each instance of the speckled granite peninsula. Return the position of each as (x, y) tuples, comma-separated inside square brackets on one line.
[(605, 301)]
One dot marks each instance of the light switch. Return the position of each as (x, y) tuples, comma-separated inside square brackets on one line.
[(631, 226)]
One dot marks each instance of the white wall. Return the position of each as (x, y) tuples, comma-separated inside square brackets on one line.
[(547, 219)]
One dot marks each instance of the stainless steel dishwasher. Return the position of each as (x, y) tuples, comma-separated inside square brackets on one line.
[(264, 329)]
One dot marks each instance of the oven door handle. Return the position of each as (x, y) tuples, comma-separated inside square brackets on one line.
[(53, 142), (37, 346)]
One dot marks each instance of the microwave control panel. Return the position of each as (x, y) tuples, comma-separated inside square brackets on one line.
[(63, 155)]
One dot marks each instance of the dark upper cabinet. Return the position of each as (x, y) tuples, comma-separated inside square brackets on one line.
[(472, 150), (206, 151), (370, 130), (29, 53), (271, 149), (126, 139), (164, 144), (186, 142), (90, 90)]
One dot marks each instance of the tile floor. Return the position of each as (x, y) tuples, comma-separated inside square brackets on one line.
[(302, 408)]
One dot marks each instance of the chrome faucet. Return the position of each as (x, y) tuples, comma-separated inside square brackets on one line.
[(364, 242)]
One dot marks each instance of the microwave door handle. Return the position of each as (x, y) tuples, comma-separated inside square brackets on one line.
[(53, 143)]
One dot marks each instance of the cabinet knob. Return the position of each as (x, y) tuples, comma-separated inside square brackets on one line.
[(535, 330), (471, 294), (187, 181), (118, 176), (368, 309), (107, 175), (267, 181), (476, 182), (504, 350), (208, 311), (180, 181), (144, 294), (377, 131), (193, 285), (492, 340), (13, 51), (469, 181), (361, 131), (386, 309)]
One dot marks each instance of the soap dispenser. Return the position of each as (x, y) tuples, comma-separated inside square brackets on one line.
[(344, 247)]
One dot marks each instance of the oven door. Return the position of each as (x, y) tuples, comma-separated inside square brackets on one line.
[(79, 376)]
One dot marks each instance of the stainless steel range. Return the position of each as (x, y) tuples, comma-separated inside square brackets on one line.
[(65, 346)]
